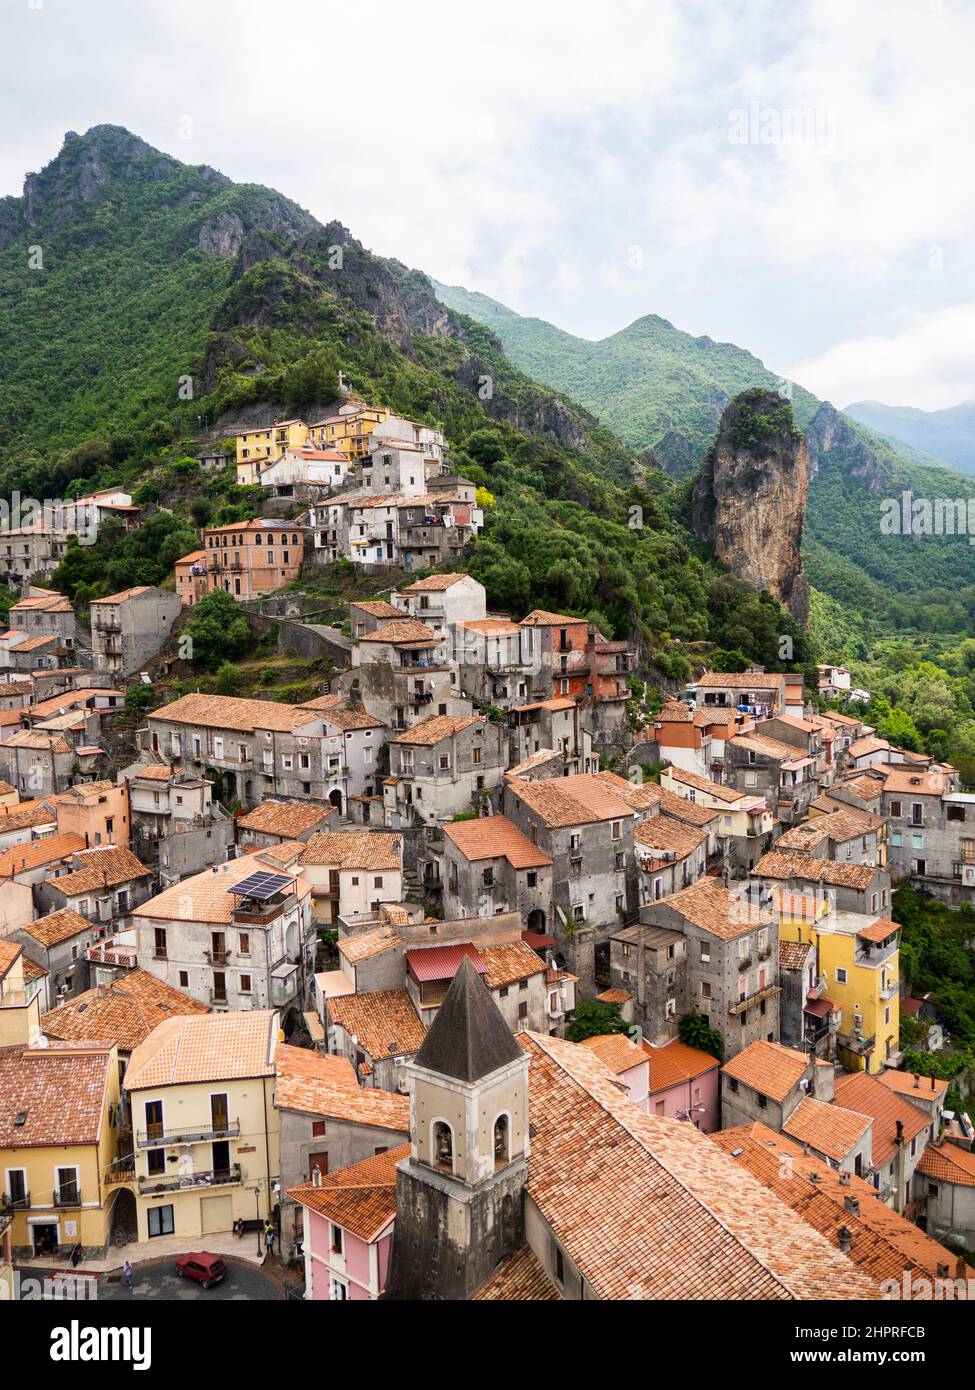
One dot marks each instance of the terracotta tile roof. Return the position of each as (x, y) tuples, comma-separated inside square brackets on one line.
[(838, 826), (689, 811), (665, 833), (228, 712), (125, 1013), (564, 801), (617, 1052), (829, 1129), (648, 1207), (206, 897), (768, 1068), (489, 625), (155, 772), (281, 856), (62, 1090), (365, 945), (317, 1084), (364, 850), (289, 819), (385, 1022), (360, 1199), (768, 747), (804, 866), (717, 910), (883, 1244), (674, 712), (403, 630), (614, 996), (640, 796), (868, 1096), (861, 747), (26, 817), (948, 1163), (214, 1047), (40, 743), (435, 729), (914, 782), (44, 604), (792, 954), (701, 784), (494, 837), (33, 971), (324, 702), (509, 963), (377, 608), (520, 1279), (57, 927), (349, 720), (99, 869), (675, 1063), (9, 951), (731, 680), (434, 583), (136, 592), (879, 930), (538, 617), (930, 1088)]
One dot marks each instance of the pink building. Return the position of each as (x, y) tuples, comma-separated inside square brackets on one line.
[(348, 1224), (627, 1061), (683, 1084)]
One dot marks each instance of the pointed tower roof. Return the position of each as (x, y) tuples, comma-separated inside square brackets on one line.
[(468, 1039)]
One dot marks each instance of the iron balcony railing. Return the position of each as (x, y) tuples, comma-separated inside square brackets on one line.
[(158, 1137), (8, 1203), (179, 1182)]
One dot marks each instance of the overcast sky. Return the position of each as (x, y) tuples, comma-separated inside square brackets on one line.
[(794, 177)]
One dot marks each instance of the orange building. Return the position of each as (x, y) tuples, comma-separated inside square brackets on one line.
[(191, 577), (250, 558)]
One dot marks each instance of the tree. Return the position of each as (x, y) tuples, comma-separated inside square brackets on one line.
[(314, 380), (201, 510), (694, 1031), (594, 1019), (227, 679), (218, 629), (485, 447)]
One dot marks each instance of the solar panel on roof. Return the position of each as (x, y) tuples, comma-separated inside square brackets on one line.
[(261, 885)]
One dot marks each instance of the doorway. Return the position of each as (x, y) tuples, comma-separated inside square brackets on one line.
[(220, 1152), (45, 1239)]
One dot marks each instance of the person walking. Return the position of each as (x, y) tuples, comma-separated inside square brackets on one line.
[(269, 1238), (127, 1275)]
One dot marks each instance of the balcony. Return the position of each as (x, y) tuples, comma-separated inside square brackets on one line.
[(158, 1137), (184, 1182), (11, 1204), (218, 957), (890, 991), (69, 1196), (752, 999), (858, 1046), (270, 913)]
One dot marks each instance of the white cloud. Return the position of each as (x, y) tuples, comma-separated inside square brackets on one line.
[(926, 362), (523, 148)]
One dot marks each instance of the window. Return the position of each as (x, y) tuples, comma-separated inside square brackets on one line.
[(502, 1149), (184, 979), (732, 1085), (443, 1146), (705, 989), (378, 881), (340, 1291), (159, 947), (895, 808), (523, 1010), (244, 943), (705, 947), (160, 1221), (245, 984), (318, 1129), (840, 975), (337, 1244), (762, 1102), (617, 829), (531, 879), (559, 1265)]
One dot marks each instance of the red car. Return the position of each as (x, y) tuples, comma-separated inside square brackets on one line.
[(206, 1269)]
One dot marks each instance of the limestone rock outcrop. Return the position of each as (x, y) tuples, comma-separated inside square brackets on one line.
[(750, 499)]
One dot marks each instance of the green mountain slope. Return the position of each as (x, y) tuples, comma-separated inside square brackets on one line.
[(947, 436), (662, 390), (157, 277), (656, 387)]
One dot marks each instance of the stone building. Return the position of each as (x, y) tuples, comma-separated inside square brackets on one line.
[(784, 775), (128, 629), (732, 952), (650, 965), (178, 827), (490, 866), (442, 767)]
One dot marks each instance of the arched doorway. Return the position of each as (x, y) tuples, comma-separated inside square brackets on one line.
[(536, 921), (336, 799), (124, 1225)]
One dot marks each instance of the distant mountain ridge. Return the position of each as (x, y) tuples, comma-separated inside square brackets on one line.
[(945, 435)]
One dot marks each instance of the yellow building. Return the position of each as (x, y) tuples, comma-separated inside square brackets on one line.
[(258, 447), (205, 1131), (348, 431), (59, 1125), (858, 968)]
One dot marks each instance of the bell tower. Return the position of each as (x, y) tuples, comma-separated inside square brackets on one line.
[(459, 1198)]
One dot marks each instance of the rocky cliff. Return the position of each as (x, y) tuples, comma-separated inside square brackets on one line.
[(750, 499)]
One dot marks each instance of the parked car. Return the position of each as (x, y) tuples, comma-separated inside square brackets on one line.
[(206, 1269)]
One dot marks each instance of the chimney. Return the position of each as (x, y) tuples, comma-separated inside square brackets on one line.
[(852, 1205), (917, 1080), (933, 1086), (845, 1236), (844, 1179), (899, 1140), (316, 1176)]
